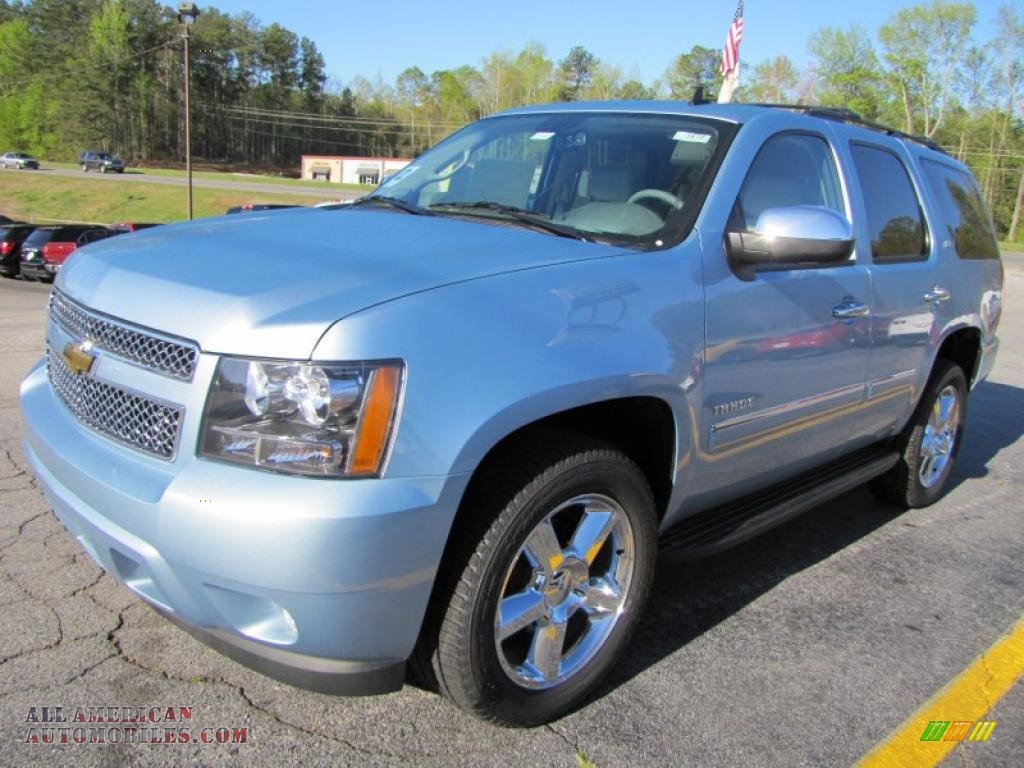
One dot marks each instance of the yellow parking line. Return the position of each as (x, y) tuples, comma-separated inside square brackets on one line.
[(968, 697)]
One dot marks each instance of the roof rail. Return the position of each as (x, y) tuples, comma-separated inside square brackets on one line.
[(843, 115)]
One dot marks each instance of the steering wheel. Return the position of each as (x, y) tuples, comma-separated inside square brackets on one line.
[(657, 194)]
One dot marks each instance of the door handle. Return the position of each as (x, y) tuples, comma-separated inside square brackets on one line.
[(936, 294), (851, 309)]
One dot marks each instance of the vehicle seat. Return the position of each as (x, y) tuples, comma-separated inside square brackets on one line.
[(500, 181)]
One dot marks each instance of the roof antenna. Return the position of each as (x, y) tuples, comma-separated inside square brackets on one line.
[(698, 97)]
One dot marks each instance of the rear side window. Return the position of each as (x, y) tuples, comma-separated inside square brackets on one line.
[(963, 211), (897, 225), (39, 237), (790, 169)]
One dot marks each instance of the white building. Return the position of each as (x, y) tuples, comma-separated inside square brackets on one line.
[(350, 170)]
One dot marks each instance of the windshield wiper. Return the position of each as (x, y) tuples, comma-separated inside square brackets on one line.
[(531, 218), (394, 202)]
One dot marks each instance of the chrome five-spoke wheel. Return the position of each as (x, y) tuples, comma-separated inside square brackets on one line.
[(939, 439), (564, 591), (546, 597)]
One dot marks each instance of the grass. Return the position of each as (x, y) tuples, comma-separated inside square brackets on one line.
[(1017, 247), (226, 176), (32, 197)]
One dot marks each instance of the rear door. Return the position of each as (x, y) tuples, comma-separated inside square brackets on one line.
[(907, 294), (783, 376)]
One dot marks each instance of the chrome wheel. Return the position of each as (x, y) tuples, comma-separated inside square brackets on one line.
[(564, 591), (939, 438)]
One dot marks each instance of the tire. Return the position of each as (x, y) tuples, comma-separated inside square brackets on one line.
[(85, 168), (920, 477), (569, 480)]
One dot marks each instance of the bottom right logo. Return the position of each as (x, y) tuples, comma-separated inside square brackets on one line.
[(958, 730)]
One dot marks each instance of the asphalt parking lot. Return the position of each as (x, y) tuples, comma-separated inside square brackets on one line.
[(807, 646)]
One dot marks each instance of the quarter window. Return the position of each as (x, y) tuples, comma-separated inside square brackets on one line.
[(790, 169), (967, 220), (894, 211)]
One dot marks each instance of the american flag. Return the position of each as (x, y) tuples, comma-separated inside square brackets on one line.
[(731, 53)]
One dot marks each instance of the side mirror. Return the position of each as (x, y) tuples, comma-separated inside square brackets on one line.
[(794, 235)]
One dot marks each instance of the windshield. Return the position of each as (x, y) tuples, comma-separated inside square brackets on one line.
[(632, 178)]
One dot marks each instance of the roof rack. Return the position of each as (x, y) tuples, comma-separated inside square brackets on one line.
[(843, 115)]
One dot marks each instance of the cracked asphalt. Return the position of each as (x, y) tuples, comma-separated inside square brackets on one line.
[(806, 646)]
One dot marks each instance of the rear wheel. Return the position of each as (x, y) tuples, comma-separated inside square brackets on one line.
[(85, 168), (552, 591), (929, 443)]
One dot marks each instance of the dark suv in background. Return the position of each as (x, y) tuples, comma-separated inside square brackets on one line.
[(104, 162), (47, 248), (12, 235)]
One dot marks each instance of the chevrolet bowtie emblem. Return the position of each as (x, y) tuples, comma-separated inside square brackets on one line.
[(76, 354)]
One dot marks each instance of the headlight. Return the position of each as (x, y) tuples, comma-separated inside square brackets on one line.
[(302, 418)]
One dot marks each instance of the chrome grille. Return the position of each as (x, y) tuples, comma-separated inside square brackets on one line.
[(125, 416), (171, 357)]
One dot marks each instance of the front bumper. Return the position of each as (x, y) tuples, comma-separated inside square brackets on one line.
[(322, 584)]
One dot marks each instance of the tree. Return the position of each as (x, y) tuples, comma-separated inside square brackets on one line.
[(311, 72), (577, 71), (923, 46), (699, 67), (847, 69), (774, 81)]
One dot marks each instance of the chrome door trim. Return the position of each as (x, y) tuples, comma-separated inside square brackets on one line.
[(793, 405), (882, 381)]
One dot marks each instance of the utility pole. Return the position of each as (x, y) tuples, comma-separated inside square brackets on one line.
[(187, 11)]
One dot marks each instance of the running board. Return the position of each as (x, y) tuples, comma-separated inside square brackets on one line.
[(722, 527)]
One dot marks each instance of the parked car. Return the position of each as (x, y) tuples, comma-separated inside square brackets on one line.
[(259, 207), (104, 162), (12, 235), (132, 226), (47, 248), (18, 161), (6, 219), (456, 430)]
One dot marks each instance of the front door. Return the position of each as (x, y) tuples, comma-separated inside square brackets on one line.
[(783, 375)]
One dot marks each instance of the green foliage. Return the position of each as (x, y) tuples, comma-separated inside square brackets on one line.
[(701, 66), (848, 71)]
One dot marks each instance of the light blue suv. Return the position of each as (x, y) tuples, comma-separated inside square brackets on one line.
[(453, 428)]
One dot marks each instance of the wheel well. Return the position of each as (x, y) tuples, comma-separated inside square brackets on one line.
[(643, 428), (963, 347)]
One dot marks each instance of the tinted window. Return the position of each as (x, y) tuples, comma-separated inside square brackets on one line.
[(894, 211), (790, 169), (39, 237), (963, 211)]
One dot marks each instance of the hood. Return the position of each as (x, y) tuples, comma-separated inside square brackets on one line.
[(271, 284)]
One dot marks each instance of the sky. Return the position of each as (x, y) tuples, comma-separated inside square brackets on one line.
[(383, 37)]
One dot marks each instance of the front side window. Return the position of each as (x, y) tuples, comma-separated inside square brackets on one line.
[(790, 169), (627, 178), (967, 220), (898, 231)]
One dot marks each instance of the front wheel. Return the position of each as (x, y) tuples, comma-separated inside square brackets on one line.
[(929, 444), (552, 591)]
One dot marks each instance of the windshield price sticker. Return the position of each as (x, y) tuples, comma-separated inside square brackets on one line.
[(693, 138)]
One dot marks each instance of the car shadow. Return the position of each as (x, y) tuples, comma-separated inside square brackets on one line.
[(693, 597), (995, 419)]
